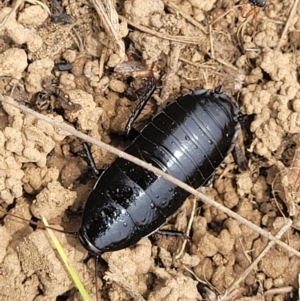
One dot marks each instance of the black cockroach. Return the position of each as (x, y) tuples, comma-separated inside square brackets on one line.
[(189, 139)]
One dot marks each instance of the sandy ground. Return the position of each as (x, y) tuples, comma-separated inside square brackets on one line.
[(64, 66)]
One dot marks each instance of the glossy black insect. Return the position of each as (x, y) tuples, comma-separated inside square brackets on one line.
[(259, 3), (189, 139)]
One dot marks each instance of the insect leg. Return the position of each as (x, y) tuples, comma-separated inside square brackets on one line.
[(88, 155), (90, 160), (173, 233), (74, 212), (210, 179), (130, 131), (170, 233)]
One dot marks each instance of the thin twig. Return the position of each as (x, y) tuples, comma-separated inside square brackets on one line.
[(182, 39), (226, 13), (78, 41), (244, 251), (186, 16), (109, 18), (241, 33), (212, 51), (287, 24), (18, 3), (197, 278), (211, 40), (102, 59), (198, 65), (279, 291), (227, 64), (151, 168), (235, 284), (188, 230)]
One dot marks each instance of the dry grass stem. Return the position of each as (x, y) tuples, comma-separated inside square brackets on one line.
[(19, 3), (287, 24), (187, 40), (236, 283), (188, 229), (110, 21), (186, 16)]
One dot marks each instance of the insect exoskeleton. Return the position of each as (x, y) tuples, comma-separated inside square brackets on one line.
[(189, 139)]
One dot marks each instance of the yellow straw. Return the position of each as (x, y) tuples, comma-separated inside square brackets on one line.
[(70, 269)]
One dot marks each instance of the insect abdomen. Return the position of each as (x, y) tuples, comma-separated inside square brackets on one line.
[(189, 139)]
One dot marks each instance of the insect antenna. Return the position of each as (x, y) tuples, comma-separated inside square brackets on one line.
[(39, 224)]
